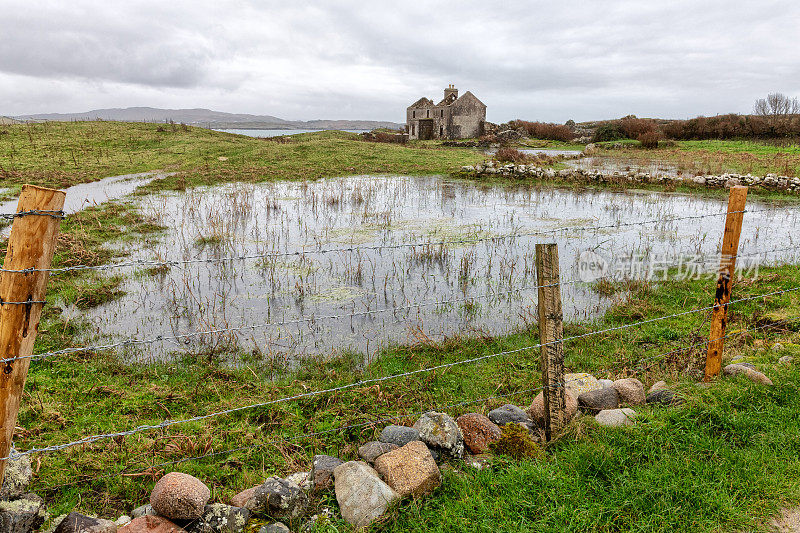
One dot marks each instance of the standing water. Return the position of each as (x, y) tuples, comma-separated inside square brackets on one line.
[(380, 290)]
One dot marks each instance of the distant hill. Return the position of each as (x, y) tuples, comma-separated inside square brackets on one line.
[(209, 119)]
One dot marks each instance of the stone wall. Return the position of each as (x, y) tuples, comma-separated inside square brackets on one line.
[(521, 171)]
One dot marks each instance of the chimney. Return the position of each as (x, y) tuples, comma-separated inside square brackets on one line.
[(450, 93)]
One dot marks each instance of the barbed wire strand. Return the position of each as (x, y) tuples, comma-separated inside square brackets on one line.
[(53, 214), (156, 264), (361, 383), (301, 436), (308, 318), (155, 467)]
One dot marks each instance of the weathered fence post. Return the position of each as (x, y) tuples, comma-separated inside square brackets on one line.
[(551, 333), (727, 266), (30, 246)]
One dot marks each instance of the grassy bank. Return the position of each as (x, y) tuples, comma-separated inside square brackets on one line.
[(664, 458), (59, 154), (716, 157)]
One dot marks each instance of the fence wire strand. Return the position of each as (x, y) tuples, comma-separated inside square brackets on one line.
[(361, 383), (475, 240)]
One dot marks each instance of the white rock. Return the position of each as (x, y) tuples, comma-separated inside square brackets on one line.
[(361, 494), (616, 417)]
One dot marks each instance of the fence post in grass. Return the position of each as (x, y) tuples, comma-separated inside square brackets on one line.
[(30, 246), (727, 266), (551, 333)]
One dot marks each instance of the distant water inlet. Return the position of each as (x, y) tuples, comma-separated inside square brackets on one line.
[(335, 268)]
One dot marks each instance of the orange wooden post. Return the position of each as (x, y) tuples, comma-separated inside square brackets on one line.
[(727, 266), (30, 246), (551, 334)]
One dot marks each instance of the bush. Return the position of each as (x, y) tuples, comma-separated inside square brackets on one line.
[(544, 130), (513, 155), (607, 132), (633, 127), (649, 140), (378, 136)]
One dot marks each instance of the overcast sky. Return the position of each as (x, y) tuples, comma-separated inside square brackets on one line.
[(370, 59)]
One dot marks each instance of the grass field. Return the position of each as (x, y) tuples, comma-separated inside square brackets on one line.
[(717, 157), (724, 462)]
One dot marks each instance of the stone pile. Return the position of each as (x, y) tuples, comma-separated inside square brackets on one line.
[(403, 463), (530, 171)]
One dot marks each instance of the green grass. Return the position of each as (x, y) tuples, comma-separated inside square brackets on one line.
[(59, 154), (717, 157)]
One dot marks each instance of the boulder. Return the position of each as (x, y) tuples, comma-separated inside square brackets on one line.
[(150, 524), (372, 450), (664, 397), (631, 391), (78, 523), (361, 494), (581, 382), (23, 515), (220, 518), (179, 496), (507, 414), (17, 477), (441, 432), (616, 417), (122, 520), (144, 510), (410, 470), (786, 360), (278, 498), (657, 386), (322, 467), (398, 435), (478, 432), (594, 401), (537, 407), (301, 479), (275, 527), (605, 383), (241, 499), (750, 373)]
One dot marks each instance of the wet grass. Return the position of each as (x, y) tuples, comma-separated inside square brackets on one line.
[(717, 157), (59, 154), (669, 452)]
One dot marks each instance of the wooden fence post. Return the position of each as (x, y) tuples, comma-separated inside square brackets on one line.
[(551, 333), (30, 246), (727, 266)]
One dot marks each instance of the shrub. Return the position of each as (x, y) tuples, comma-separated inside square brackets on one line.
[(649, 140), (633, 127), (607, 132), (510, 155)]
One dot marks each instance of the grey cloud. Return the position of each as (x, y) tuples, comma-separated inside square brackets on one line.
[(337, 59)]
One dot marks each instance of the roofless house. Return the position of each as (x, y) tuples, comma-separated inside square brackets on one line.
[(455, 117)]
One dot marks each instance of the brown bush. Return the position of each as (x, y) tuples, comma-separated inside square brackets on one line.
[(544, 130), (513, 155), (384, 137), (649, 140), (633, 127), (731, 126)]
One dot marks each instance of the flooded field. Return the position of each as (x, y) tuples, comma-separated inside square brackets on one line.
[(310, 294), (618, 164)]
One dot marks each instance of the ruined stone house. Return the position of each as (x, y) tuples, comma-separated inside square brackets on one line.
[(455, 117)]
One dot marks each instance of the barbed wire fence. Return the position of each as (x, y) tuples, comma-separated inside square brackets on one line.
[(25, 304)]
